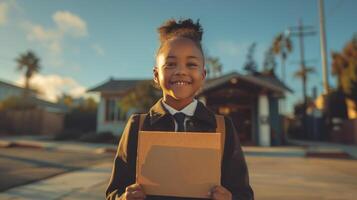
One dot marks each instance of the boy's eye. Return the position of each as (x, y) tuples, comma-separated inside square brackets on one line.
[(192, 64), (170, 64)]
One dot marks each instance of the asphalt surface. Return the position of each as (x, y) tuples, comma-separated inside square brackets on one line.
[(19, 166), (277, 173), (295, 178)]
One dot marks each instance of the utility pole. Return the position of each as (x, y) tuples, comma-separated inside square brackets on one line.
[(323, 47), (302, 31)]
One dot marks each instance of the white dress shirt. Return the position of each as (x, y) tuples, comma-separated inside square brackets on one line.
[(189, 110)]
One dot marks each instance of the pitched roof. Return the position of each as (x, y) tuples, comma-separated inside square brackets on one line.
[(116, 85), (265, 81), (14, 86)]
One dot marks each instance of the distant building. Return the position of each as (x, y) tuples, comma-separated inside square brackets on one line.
[(45, 118), (7, 90), (252, 101), (109, 115)]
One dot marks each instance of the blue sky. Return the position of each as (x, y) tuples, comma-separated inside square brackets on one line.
[(83, 43)]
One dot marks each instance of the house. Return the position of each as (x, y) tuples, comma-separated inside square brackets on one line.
[(109, 115), (252, 102), (45, 118), (8, 90)]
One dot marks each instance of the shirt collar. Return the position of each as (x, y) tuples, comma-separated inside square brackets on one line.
[(189, 110), (159, 111)]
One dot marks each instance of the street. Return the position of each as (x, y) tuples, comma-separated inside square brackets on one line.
[(302, 178), (274, 175), (20, 166)]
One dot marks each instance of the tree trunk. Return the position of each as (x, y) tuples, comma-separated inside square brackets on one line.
[(27, 88)]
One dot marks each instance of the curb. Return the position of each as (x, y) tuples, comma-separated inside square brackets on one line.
[(337, 155), (27, 145), (6, 144), (38, 145), (326, 150)]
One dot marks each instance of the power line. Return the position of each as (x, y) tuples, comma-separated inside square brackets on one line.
[(302, 31)]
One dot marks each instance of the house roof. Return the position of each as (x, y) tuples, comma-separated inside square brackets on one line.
[(116, 85), (55, 107), (265, 81), (2, 82)]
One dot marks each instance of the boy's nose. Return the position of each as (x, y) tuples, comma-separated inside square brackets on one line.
[(181, 69)]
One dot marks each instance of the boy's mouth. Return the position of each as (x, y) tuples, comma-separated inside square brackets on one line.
[(180, 82)]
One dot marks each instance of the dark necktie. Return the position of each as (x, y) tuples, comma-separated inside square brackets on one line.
[(180, 119)]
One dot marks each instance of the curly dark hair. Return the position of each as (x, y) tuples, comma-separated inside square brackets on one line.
[(185, 28)]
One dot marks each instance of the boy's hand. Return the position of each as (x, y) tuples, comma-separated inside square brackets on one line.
[(134, 191), (220, 193)]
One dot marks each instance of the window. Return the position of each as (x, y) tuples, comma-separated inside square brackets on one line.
[(113, 111)]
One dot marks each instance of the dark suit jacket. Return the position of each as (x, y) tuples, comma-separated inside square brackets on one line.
[(234, 172)]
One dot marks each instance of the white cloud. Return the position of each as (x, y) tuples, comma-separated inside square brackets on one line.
[(66, 24), (3, 13), (10, 12), (70, 23), (53, 86), (50, 39), (98, 49), (38, 33)]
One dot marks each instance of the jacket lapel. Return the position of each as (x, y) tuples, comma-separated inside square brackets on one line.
[(203, 120), (159, 119)]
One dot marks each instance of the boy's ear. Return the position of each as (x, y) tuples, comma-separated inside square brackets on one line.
[(156, 75), (204, 73)]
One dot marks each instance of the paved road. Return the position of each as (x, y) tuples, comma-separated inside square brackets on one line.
[(284, 178), (20, 166), (278, 178)]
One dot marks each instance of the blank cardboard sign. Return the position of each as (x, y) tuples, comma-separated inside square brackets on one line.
[(183, 164)]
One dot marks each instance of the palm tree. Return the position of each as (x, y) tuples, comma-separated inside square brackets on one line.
[(29, 63), (282, 46)]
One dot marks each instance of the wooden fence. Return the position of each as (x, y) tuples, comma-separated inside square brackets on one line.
[(31, 122)]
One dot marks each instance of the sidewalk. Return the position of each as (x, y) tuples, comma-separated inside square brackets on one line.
[(83, 184)]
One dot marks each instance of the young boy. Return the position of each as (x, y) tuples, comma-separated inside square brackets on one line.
[(180, 73)]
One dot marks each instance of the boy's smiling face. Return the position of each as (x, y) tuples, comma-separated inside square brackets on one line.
[(179, 71)]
